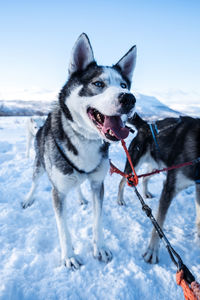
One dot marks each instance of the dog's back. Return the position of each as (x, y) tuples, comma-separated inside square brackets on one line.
[(174, 141), (179, 142), (40, 139)]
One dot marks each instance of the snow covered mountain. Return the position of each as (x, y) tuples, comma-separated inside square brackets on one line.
[(147, 106), (151, 108), (24, 108)]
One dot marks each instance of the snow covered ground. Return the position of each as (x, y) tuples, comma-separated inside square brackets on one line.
[(30, 265)]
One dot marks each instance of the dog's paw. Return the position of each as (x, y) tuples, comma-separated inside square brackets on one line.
[(121, 202), (83, 201), (27, 203), (73, 263), (151, 255), (102, 254), (149, 195)]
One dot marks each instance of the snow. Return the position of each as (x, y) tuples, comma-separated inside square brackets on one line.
[(30, 266)]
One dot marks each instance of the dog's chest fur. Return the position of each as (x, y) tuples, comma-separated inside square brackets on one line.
[(89, 152)]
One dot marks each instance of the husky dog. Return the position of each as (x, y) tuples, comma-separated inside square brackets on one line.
[(32, 126), (165, 143), (73, 143)]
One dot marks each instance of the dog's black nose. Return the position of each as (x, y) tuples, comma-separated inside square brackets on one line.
[(127, 101)]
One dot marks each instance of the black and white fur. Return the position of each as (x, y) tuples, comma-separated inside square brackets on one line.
[(178, 141), (33, 124), (73, 146)]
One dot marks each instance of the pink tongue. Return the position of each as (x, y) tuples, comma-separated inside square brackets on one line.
[(116, 125)]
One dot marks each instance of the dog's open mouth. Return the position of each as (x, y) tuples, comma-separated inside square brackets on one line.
[(110, 126)]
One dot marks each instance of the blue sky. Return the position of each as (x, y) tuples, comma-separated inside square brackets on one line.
[(37, 38)]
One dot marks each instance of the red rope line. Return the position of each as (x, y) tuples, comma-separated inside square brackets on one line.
[(134, 177), (157, 171)]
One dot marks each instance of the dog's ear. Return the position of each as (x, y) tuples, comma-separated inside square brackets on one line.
[(137, 121), (127, 63), (82, 54)]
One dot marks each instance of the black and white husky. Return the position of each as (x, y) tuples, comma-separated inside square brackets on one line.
[(165, 143), (73, 143)]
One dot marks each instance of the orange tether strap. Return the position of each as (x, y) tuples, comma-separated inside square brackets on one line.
[(131, 179), (191, 292)]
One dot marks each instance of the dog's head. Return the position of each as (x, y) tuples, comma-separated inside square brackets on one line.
[(34, 124), (137, 122), (97, 99)]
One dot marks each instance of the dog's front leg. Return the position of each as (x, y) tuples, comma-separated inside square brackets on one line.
[(100, 251), (67, 254), (145, 182), (120, 196), (81, 198), (146, 192), (152, 253)]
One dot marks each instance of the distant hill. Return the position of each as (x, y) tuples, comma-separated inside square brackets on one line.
[(24, 108), (148, 107)]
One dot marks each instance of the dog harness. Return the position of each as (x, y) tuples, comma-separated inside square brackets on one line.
[(152, 128), (154, 131)]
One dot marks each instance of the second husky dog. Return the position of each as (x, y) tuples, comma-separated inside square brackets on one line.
[(73, 143), (166, 143), (32, 126)]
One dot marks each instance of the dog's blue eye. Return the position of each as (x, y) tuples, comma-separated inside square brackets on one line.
[(123, 85), (99, 84)]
